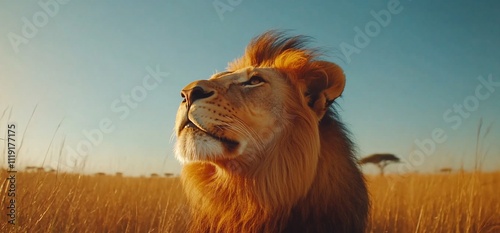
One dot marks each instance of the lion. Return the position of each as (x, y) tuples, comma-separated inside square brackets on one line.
[(263, 149)]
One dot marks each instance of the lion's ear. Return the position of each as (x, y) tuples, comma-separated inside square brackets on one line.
[(324, 82)]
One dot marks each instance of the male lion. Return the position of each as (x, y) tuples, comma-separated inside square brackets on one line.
[(262, 149)]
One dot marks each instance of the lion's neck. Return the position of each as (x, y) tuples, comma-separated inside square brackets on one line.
[(261, 202), (219, 207)]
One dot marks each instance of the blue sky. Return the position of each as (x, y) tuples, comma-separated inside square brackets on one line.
[(83, 56)]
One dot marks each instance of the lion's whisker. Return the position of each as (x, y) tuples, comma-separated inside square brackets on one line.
[(254, 137), (238, 128)]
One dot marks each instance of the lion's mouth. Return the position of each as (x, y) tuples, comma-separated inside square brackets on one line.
[(231, 144)]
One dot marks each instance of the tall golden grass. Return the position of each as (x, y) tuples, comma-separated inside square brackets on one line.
[(461, 202), (50, 202)]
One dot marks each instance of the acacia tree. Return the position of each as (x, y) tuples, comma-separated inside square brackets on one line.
[(380, 160)]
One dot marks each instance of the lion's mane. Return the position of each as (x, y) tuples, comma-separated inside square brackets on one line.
[(309, 181)]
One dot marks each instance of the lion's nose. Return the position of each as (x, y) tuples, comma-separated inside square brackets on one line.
[(192, 94)]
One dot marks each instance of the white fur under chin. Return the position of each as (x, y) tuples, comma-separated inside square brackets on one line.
[(188, 149), (195, 150), (193, 147)]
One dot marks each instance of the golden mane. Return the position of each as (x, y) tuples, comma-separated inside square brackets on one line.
[(308, 180), (271, 48)]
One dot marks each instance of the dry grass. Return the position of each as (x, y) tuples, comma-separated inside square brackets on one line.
[(49, 202), (462, 202)]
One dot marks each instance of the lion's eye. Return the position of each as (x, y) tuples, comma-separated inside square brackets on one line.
[(254, 81)]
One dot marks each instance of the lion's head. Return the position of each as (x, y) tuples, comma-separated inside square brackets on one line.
[(260, 146)]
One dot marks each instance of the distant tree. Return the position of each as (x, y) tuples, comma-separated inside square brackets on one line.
[(380, 160), (446, 169), (50, 170)]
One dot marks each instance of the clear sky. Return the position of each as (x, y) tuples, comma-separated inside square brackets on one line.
[(115, 69)]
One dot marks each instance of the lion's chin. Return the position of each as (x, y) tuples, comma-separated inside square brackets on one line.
[(195, 145)]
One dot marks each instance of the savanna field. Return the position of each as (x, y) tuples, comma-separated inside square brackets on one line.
[(51, 202)]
